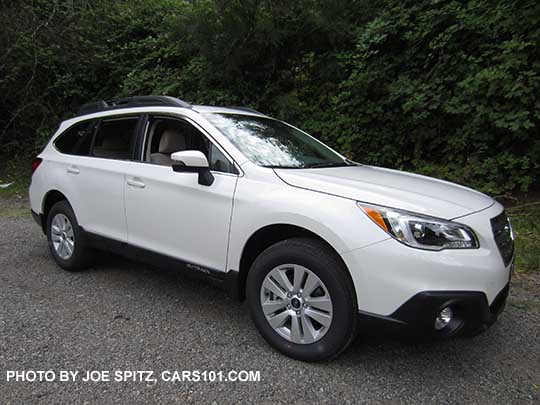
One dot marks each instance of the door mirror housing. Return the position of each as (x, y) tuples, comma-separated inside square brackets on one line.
[(190, 158), (193, 161)]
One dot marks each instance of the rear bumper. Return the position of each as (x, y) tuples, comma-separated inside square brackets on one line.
[(416, 317)]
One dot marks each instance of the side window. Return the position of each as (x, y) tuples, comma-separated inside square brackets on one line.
[(216, 159), (164, 137), (115, 138), (77, 140), (168, 135)]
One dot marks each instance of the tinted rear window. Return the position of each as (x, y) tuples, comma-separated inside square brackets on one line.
[(77, 140)]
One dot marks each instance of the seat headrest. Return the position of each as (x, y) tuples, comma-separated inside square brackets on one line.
[(172, 141)]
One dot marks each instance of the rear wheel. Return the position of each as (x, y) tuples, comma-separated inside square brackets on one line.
[(302, 299), (66, 239)]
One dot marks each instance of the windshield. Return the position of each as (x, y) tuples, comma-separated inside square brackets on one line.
[(271, 143)]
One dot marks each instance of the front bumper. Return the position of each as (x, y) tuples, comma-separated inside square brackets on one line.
[(416, 317), (387, 274)]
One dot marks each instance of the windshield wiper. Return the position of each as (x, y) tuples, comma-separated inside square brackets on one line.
[(328, 164), (314, 165), (283, 167)]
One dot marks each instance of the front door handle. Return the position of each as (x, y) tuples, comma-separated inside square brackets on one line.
[(73, 170), (136, 183)]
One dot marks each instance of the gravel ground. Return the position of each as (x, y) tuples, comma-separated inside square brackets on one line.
[(120, 315)]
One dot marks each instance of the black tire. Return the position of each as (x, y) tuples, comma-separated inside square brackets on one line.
[(81, 257), (324, 263)]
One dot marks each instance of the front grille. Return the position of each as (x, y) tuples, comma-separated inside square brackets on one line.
[(502, 232)]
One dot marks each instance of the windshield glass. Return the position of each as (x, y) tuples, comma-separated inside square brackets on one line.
[(271, 143)]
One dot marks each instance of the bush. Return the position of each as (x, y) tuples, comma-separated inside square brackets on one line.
[(444, 88), (447, 88)]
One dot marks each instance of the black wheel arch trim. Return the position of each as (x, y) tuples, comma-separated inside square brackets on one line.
[(39, 220)]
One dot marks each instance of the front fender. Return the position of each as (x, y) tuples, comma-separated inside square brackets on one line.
[(335, 219)]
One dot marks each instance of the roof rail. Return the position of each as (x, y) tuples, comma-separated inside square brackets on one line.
[(247, 109), (131, 102)]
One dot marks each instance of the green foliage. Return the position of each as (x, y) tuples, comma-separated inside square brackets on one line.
[(445, 88), (526, 222), (450, 89), (16, 172)]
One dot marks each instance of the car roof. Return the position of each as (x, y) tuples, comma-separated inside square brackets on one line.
[(142, 102), (154, 108), (227, 110)]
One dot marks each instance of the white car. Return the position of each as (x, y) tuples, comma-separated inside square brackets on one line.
[(321, 247)]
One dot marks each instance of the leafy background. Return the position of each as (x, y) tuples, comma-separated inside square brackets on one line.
[(446, 88)]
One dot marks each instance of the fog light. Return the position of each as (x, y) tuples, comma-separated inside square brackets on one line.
[(444, 318)]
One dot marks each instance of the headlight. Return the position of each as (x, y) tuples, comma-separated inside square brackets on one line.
[(421, 231)]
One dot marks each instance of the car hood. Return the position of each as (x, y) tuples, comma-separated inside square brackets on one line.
[(391, 188)]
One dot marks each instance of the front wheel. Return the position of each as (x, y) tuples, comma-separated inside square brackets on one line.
[(302, 299)]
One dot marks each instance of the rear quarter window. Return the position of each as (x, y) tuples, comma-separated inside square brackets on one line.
[(77, 139)]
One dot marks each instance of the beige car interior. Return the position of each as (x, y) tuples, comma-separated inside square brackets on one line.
[(171, 141), (114, 139), (166, 136)]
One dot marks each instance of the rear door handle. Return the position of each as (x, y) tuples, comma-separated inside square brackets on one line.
[(73, 170), (136, 183)]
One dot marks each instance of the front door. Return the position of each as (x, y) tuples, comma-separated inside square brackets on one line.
[(171, 213)]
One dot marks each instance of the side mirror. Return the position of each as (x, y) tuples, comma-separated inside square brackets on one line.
[(193, 161)]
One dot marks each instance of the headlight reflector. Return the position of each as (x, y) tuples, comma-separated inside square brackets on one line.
[(421, 231)]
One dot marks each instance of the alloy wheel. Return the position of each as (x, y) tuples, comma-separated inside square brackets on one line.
[(62, 236), (296, 303)]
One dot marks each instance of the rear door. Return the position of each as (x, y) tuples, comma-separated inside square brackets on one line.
[(96, 181)]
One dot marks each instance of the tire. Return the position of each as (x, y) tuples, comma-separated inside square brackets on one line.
[(80, 256), (295, 337)]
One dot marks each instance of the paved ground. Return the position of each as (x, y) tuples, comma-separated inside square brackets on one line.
[(121, 315)]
